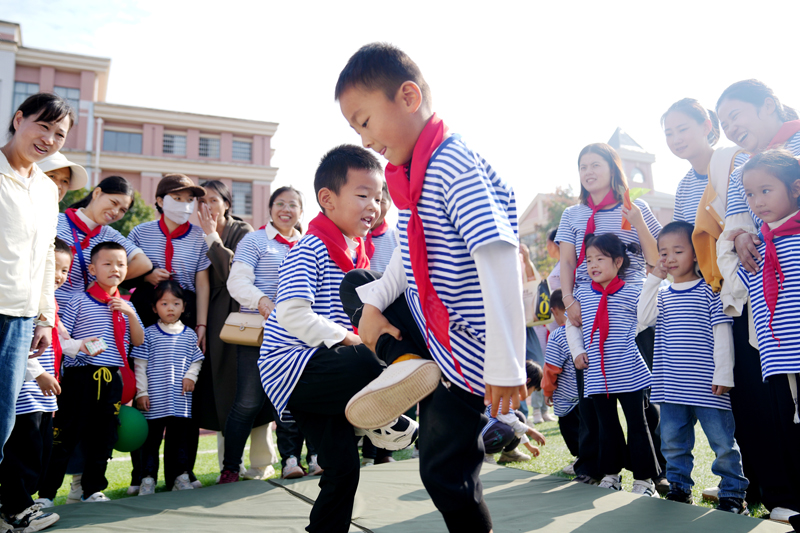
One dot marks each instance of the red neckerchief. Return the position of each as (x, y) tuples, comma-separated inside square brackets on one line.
[(118, 320), (169, 251), (58, 353), (601, 321), (786, 132), (610, 199), (332, 236), (377, 232), (405, 185), (281, 239), (79, 246), (772, 265)]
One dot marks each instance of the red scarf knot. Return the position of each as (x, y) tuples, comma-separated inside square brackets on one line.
[(330, 234), (117, 318), (377, 232), (601, 319), (609, 200), (169, 251), (772, 265)]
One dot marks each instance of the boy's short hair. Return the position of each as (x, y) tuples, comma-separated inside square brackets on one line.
[(556, 300), (332, 170), (534, 374), (63, 247), (678, 226), (381, 67), (107, 245)]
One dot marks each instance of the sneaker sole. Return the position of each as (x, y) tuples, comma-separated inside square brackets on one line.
[(378, 408), (294, 475), (41, 523)]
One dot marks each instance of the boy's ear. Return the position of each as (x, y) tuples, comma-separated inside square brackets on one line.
[(410, 95), (326, 199), (91, 269), (795, 190)]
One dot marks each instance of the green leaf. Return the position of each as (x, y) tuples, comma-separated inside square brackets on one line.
[(637, 192)]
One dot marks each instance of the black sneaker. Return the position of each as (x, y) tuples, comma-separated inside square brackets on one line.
[(662, 485), (733, 505), (588, 480), (677, 495), (32, 519)]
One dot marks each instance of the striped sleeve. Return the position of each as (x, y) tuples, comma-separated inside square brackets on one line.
[(718, 316), (247, 251), (649, 218), (299, 274), (565, 233)]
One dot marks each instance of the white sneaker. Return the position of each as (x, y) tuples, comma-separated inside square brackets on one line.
[(611, 482), (313, 466), (133, 489), (44, 503), (711, 494), (396, 435), (75, 489), (182, 483), (96, 497), (547, 417), (292, 470), (196, 484), (32, 519), (514, 456), (537, 416), (644, 487), (489, 459), (147, 487), (570, 468), (782, 514), (259, 473), (367, 461), (398, 388)]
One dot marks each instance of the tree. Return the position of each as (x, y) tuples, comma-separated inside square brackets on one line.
[(138, 213), (562, 199)]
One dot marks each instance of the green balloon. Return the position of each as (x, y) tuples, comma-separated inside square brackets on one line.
[(132, 430)]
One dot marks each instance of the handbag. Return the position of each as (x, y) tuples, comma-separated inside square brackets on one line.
[(245, 329), (536, 299)]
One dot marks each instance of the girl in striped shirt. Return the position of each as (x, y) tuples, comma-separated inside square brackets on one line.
[(691, 132), (167, 366), (615, 370)]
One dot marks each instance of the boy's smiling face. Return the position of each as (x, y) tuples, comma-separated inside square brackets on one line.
[(389, 127), (357, 205)]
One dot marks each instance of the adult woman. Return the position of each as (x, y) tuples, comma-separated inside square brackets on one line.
[(28, 209), (67, 176), (216, 385), (253, 282)]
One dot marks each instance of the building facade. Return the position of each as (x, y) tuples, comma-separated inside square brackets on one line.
[(140, 144)]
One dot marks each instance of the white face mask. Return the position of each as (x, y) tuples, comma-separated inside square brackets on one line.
[(178, 212)]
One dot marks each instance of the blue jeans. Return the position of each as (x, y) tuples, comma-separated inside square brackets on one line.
[(535, 352), (16, 334), (677, 442)]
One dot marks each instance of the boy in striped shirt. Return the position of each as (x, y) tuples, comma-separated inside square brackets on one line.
[(452, 289)]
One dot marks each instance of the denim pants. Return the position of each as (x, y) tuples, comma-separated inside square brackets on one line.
[(16, 334), (677, 443), (535, 352)]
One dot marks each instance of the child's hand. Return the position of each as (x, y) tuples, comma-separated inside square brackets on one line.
[(188, 385), (118, 304), (373, 324), (535, 435), (660, 271), (634, 216), (507, 397), (582, 361), (157, 276), (548, 400), (719, 390), (85, 350), (533, 449), (143, 403), (48, 384), (351, 339)]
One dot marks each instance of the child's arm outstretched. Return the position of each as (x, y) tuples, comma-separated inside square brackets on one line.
[(647, 308)]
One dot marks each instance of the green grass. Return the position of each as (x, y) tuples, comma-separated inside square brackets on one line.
[(554, 456)]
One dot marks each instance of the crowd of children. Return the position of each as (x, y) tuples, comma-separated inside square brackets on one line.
[(364, 323)]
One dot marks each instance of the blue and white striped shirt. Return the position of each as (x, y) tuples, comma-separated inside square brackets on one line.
[(464, 205), (265, 256), (687, 199), (625, 369), (190, 252), (737, 201), (86, 317), (572, 229), (74, 284), (384, 247), (557, 353), (168, 356), (308, 273), (683, 366), (30, 398), (783, 357)]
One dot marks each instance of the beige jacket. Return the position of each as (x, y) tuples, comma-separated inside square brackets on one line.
[(28, 216)]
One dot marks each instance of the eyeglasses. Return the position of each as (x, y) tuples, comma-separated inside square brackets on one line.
[(281, 205)]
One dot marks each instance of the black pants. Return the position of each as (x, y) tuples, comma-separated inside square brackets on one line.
[(177, 447), (87, 409), (247, 406), (638, 455), (369, 450), (451, 420), (646, 342), (588, 435), (783, 409), (290, 440), (756, 427), (25, 456), (501, 437), (569, 425)]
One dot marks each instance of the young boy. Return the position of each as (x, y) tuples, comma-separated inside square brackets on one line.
[(456, 269), (560, 384), (92, 384), (382, 238), (311, 360), (504, 433)]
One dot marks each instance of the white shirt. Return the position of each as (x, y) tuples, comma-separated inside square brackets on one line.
[(28, 215)]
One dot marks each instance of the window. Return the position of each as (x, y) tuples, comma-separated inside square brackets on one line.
[(174, 144), (120, 141), (22, 91), (637, 176), (242, 151), (73, 98), (209, 147), (242, 198)]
